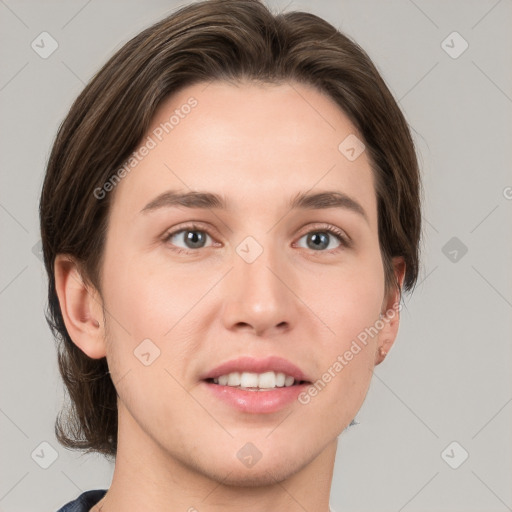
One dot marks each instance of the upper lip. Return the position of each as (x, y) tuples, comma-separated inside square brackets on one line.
[(254, 365)]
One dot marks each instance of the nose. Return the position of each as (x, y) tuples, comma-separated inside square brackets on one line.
[(259, 296)]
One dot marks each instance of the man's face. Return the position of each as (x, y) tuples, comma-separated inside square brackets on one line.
[(190, 288)]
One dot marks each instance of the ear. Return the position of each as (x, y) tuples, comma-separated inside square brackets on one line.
[(390, 313), (81, 307)]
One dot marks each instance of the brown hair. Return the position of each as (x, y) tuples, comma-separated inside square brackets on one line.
[(214, 40)]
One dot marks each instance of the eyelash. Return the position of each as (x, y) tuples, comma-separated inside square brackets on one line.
[(345, 242)]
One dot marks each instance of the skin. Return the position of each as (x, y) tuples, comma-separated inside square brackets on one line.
[(258, 146)]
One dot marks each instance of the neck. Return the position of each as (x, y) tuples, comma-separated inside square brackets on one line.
[(147, 477)]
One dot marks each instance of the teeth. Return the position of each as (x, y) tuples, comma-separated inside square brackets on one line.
[(289, 381), (280, 379), (249, 380), (234, 379), (267, 380)]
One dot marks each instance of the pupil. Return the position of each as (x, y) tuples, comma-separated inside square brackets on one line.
[(321, 240)]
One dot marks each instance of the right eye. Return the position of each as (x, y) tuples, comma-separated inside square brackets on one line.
[(192, 238)]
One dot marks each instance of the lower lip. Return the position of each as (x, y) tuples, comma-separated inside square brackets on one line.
[(256, 402)]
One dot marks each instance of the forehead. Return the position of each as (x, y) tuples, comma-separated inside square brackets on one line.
[(257, 145)]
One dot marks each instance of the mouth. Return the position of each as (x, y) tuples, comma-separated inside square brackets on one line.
[(256, 385)]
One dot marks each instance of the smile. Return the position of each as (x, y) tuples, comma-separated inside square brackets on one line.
[(255, 381)]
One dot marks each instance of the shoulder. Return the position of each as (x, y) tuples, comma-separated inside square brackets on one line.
[(84, 502)]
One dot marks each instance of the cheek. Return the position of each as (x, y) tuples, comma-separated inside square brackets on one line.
[(150, 299), (145, 337), (347, 356), (351, 299), (349, 305), (156, 303)]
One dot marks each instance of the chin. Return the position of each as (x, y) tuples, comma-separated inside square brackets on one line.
[(267, 471), (262, 476)]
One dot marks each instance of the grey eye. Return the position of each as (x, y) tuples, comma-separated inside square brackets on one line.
[(192, 238), (320, 240)]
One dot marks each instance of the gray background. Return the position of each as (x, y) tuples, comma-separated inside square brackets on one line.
[(448, 376)]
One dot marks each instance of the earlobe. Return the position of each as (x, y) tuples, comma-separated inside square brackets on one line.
[(81, 307), (390, 315)]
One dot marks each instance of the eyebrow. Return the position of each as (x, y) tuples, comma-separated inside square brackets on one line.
[(302, 201)]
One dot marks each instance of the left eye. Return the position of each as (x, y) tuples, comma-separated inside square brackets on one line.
[(320, 239)]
